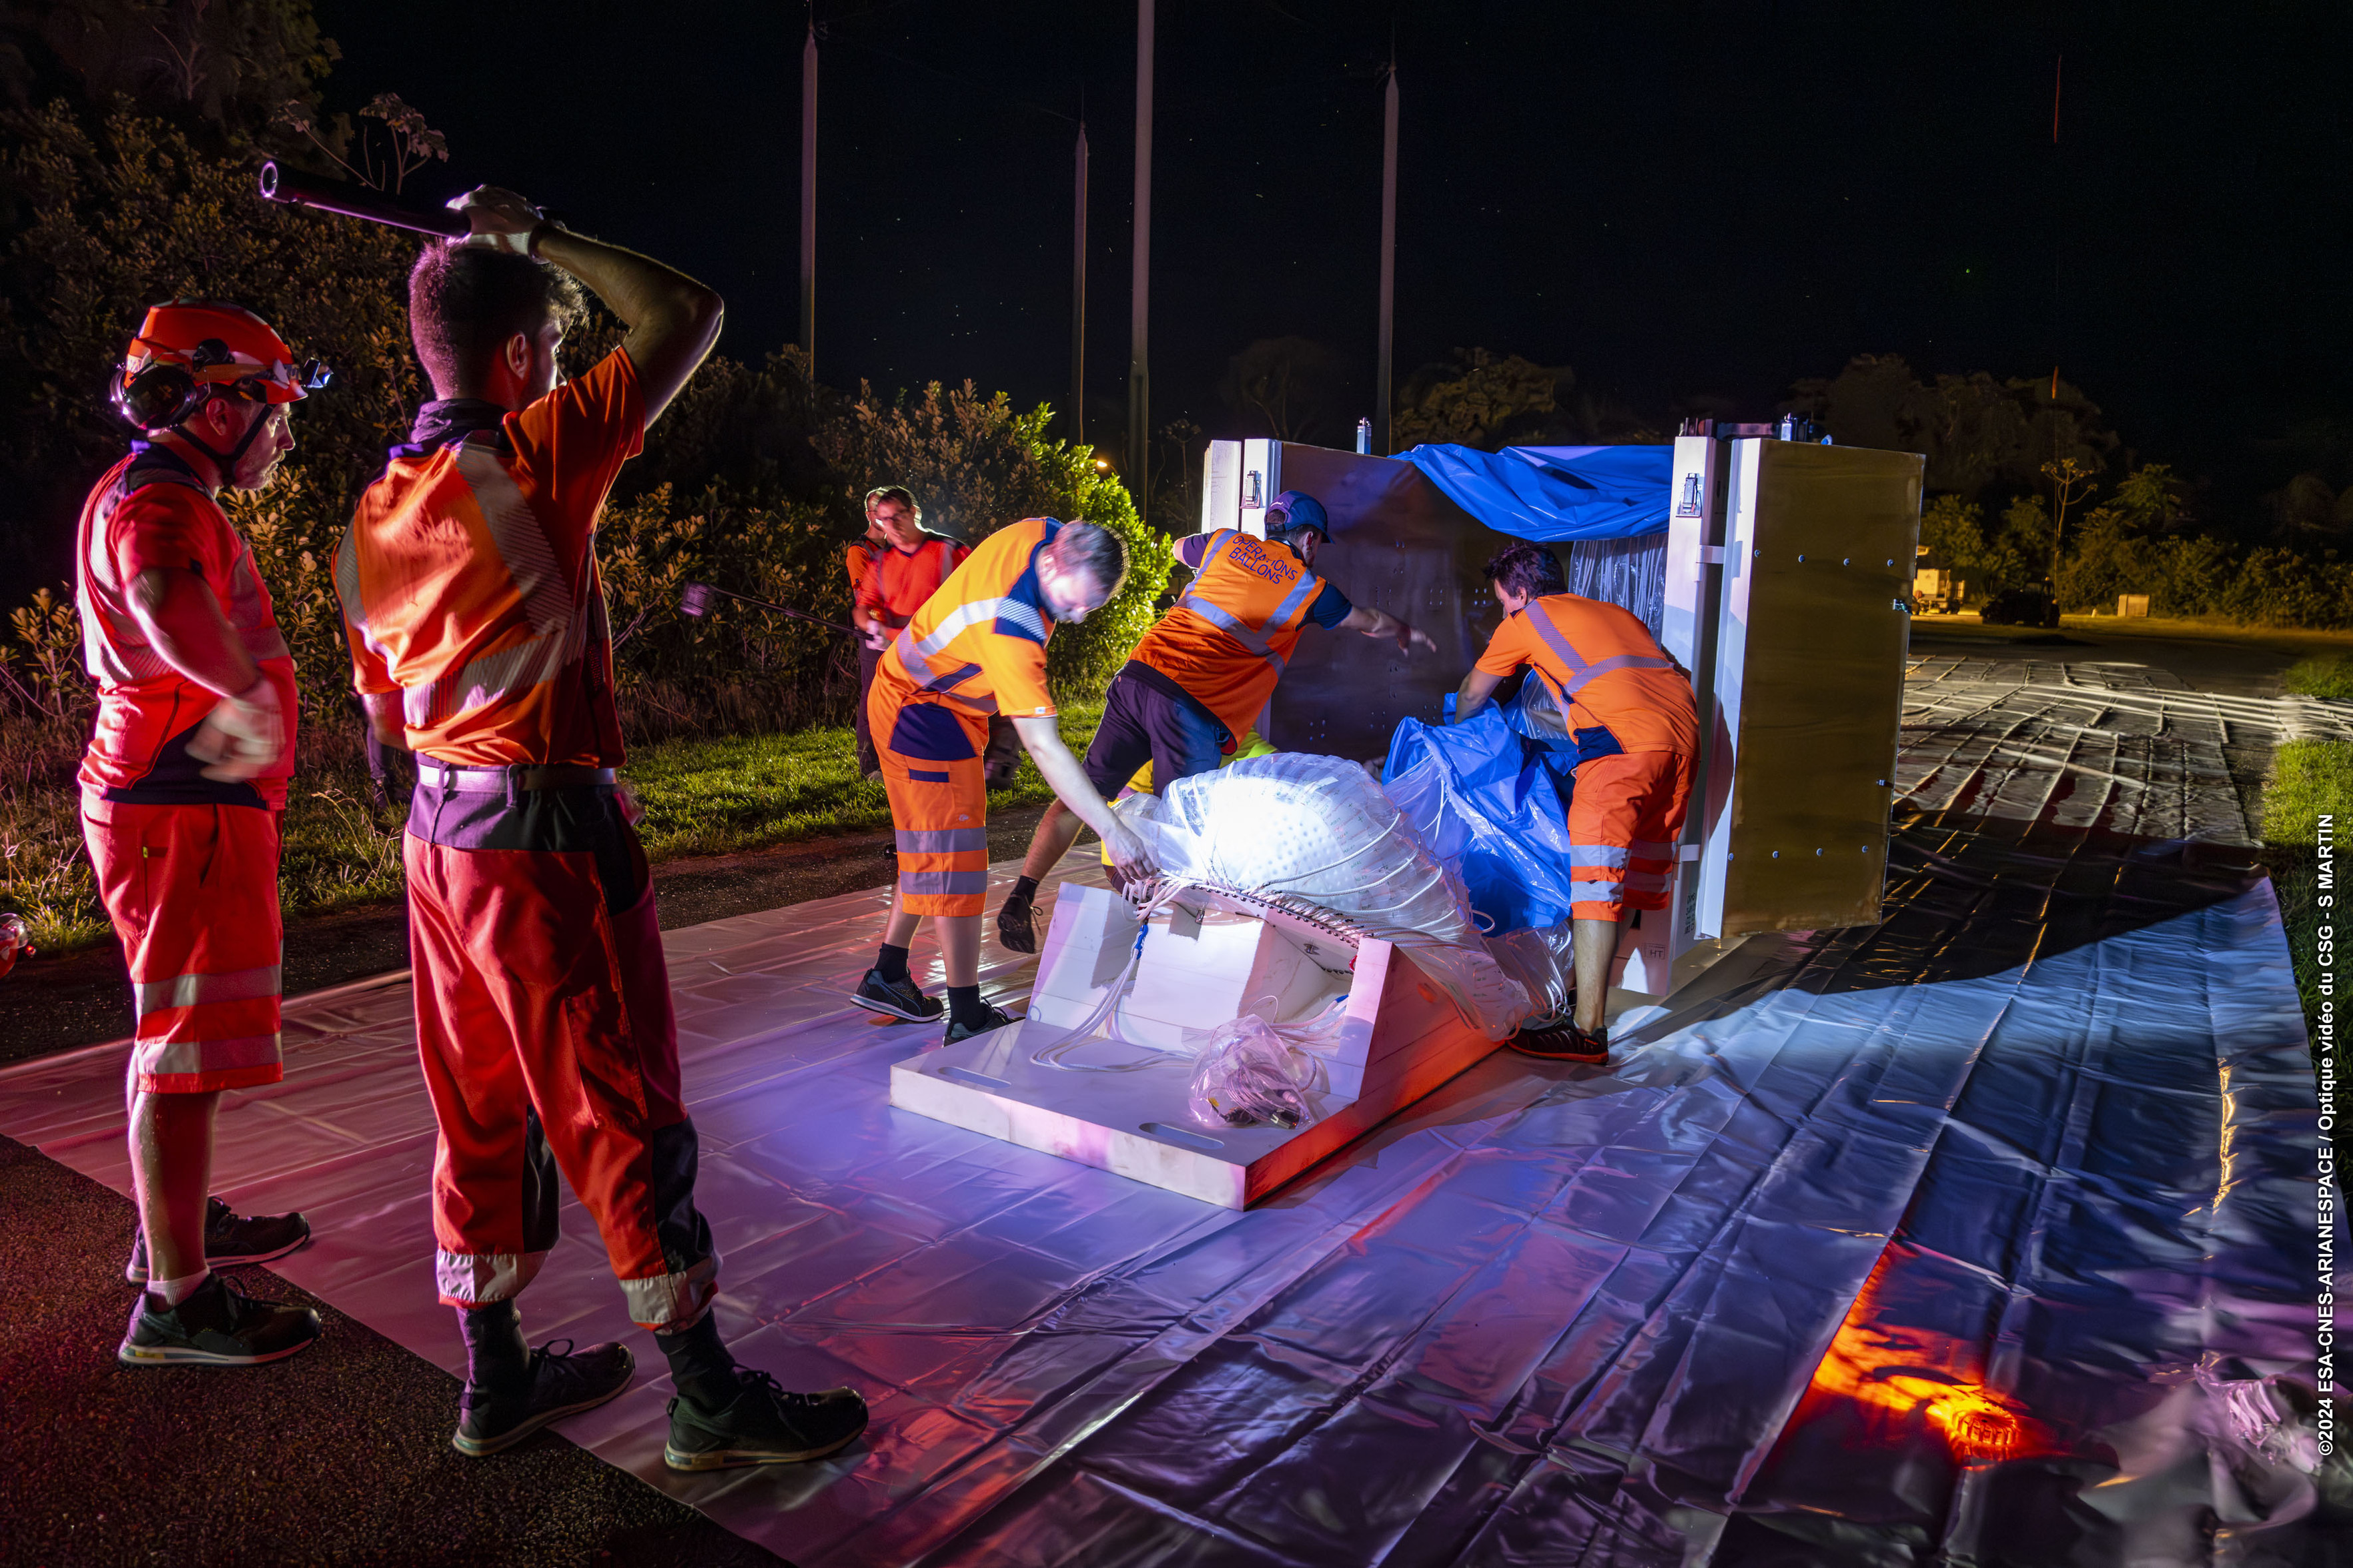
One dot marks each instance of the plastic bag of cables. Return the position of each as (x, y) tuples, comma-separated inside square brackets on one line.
[(1244, 1076)]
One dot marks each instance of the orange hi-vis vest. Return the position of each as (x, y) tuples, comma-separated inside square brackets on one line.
[(470, 585), (1235, 628), (979, 644), (1604, 667)]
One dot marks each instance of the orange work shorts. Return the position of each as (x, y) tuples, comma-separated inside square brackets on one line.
[(192, 893), (1624, 818)]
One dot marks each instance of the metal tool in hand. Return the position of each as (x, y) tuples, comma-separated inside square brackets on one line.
[(291, 186), (695, 600)]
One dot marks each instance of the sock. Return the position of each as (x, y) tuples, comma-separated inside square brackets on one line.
[(698, 1362), (892, 964), (496, 1357), (1025, 889), (965, 1006), (172, 1292)]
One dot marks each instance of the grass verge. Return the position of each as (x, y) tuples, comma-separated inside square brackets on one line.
[(2309, 778), (702, 797), (2323, 675)]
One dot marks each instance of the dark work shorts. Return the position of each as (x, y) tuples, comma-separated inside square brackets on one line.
[(1148, 719)]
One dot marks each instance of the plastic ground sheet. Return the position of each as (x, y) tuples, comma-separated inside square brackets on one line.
[(1972, 1236)]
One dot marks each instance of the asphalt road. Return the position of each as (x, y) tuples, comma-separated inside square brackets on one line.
[(340, 1454)]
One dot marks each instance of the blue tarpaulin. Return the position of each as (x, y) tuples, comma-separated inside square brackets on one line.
[(1555, 493), (1493, 804)]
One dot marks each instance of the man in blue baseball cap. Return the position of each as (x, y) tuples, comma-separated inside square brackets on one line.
[(1203, 673)]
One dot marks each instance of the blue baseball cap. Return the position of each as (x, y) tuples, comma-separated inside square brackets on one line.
[(1297, 509)]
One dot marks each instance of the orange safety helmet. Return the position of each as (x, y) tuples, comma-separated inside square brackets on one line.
[(190, 351)]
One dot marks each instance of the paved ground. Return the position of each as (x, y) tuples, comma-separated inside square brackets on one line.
[(340, 1454)]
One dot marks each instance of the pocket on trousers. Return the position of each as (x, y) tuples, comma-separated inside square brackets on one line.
[(604, 1055), (929, 732)]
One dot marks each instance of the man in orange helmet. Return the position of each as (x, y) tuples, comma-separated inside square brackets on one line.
[(182, 785), (476, 616), (1201, 676), (1630, 710)]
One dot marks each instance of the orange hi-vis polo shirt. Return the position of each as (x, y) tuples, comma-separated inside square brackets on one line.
[(150, 512), (1605, 669), (901, 582), (470, 585), (1231, 634), (979, 644)]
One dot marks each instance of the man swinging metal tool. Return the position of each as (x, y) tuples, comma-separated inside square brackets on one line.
[(1630, 710), (977, 647), (1203, 673), (476, 617)]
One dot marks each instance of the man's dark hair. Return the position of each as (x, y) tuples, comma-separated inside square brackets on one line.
[(899, 493), (1529, 569), (464, 302)]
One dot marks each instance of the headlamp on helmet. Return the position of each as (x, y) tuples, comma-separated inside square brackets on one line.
[(191, 351)]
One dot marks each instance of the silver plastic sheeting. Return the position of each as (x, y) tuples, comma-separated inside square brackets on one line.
[(1631, 573), (1548, 1315)]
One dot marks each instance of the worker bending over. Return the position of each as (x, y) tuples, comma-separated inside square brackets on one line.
[(476, 616), (976, 649), (1630, 709), (182, 785), (1205, 671)]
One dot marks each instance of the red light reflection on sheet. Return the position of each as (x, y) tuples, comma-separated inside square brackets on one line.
[(1899, 1370)]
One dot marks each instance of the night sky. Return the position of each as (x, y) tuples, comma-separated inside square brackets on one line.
[(1680, 201)]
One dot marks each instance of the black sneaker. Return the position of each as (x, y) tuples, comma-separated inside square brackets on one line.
[(231, 1239), (1564, 1042), (1016, 924), (990, 1018), (764, 1425), (217, 1325), (561, 1384), (899, 998)]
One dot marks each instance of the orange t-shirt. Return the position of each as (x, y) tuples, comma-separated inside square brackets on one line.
[(157, 517), (980, 641), (1604, 667), (1235, 628), (899, 581), (470, 585)]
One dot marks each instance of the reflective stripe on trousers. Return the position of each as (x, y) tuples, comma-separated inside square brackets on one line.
[(941, 840)]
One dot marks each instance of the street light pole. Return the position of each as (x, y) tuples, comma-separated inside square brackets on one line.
[(808, 200), (1139, 306)]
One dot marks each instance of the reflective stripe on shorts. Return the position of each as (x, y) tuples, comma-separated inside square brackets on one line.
[(190, 1059), (188, 990)]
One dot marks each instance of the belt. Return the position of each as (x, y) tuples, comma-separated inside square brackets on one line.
[(431, 775)]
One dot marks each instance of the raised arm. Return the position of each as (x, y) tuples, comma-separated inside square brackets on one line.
[(672, 320)]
